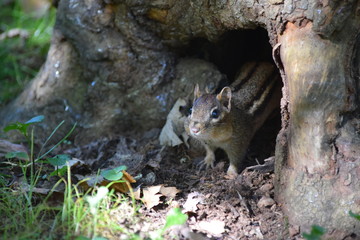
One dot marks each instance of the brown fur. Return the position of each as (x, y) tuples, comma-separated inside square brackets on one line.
[(231, 131), (239, 115)]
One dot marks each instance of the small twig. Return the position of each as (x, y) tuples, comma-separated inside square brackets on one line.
[(267, 167), (245, 204)]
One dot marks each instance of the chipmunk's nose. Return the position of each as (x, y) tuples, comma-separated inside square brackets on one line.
[(195, 130)]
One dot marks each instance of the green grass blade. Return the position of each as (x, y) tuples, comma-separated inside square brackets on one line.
[(48, 139)]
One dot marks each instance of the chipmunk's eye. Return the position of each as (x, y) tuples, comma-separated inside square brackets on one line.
[(215, 113)]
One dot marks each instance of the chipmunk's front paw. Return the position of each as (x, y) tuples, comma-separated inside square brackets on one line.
[(207, 162), (231, 172)]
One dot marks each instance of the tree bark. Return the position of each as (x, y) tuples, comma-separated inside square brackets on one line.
[(116, 66), (318, 177)]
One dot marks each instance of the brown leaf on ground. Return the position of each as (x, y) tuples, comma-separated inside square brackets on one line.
[(192, 201), (127, 177), (214, 227), (169, 191), (90, 181), (6, 147), (174, 126), (151, 196), (73, 163), (137, 194), (123, 187)]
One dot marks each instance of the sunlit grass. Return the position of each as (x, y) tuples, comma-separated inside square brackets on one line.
[(34, 204), (22, 56), (23, 218)]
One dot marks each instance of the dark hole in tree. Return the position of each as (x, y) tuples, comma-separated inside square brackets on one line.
[(232, 50), (229, 53)]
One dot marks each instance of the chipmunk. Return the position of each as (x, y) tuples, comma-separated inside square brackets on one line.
[(229, 120)]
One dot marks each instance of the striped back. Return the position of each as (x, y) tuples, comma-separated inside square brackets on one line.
[(257, 90)]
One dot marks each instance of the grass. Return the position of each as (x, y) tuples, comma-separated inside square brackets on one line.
[(21, 57), (95, 214), (24, 218), (71, 212), (21, 219), (66, 211)]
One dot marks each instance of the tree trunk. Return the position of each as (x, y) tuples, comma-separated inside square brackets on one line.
[(318, 177), (117, 66)]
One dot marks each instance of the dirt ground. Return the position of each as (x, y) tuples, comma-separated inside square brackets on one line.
[(217, 207), (244, 206)]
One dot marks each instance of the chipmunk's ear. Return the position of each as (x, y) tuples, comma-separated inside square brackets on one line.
[(197, 92), (224, 98)]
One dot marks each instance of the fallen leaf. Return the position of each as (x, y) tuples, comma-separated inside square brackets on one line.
[(151, 196), (128, 177), (123, 187), (174, 126), (257, 232), (74, 162), (153, 164), (265, 202), (43, 191), (192, 200), (90, 181), (137, 193), (53, 195), (153, 189), (214, 227), (169, 191), (155, 161)]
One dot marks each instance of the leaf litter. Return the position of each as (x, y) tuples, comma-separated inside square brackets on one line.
[(217, 208), (166, 177)]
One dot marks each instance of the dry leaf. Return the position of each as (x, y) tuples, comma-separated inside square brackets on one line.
[(137, 193), (74, 162), (127, 177), (169, 191), (153, 163), (153, 189), (174, 126), (151, 196), (265, 202), (123, 187), (53, 195), (257, 232), (192, 200), (214, 227), (43, 191), (6, 147), (90, 181)]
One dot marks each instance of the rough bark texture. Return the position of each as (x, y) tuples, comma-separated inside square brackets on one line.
[(118, 65), (319, 175), (318, 148)]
